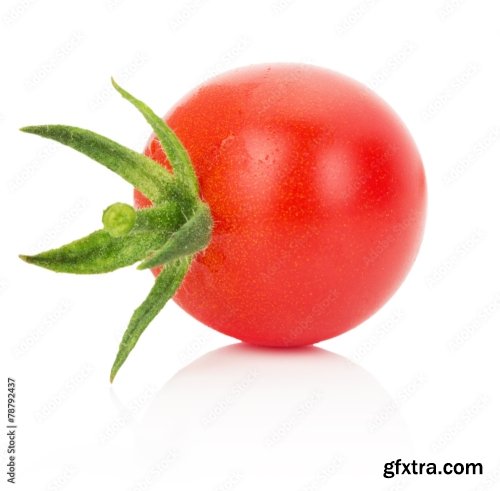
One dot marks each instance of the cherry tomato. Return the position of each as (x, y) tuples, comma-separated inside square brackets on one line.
[(318, 196)]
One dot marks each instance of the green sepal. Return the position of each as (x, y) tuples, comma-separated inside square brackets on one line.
[(168, 234), (173, 148), (97, 253), (145, 174), (166, 284), (100, 252), (193, 236)]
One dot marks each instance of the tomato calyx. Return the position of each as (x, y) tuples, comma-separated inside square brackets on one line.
[(167, 235)]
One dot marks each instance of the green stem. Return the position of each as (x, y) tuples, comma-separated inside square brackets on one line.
[(193, 236), (119, 219)]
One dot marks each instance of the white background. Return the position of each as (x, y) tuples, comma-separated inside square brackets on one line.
[(417, 380)]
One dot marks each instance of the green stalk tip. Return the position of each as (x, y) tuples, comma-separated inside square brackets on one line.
[(119, 219)]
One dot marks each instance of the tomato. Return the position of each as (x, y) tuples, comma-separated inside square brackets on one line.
[(318, 197)]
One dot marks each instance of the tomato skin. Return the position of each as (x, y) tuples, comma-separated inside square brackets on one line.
[(318, 195)]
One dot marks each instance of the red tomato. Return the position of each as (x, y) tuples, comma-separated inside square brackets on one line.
[(318, 195)]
